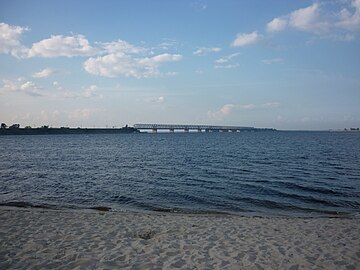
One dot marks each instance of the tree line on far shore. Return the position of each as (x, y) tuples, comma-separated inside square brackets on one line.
[(17, 126)]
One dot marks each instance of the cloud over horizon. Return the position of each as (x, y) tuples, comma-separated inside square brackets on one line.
[(227, 109), (23, 86)]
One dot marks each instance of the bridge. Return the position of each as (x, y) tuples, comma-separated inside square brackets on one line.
[(186, 128)]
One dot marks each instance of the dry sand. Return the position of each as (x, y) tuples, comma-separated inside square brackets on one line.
[(45, 239)]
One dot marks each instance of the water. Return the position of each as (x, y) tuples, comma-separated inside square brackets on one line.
[(250, 173)]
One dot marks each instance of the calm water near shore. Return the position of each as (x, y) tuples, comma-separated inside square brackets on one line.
[(250, 173)]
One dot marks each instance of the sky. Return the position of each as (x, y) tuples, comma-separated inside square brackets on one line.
[(278, 63)]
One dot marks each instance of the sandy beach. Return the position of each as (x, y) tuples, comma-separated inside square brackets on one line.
[(62, 239)]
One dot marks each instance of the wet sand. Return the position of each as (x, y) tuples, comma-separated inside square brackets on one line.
[(63, 239)]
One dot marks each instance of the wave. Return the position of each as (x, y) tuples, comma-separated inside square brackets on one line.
[(22, 204), (312, 189)]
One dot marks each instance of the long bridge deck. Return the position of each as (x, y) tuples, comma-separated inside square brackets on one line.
[(187, 128)]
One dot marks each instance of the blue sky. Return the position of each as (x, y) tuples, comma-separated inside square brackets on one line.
[(282, 64)]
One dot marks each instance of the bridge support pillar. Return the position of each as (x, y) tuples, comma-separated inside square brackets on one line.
[(186, 130), (172, 130)]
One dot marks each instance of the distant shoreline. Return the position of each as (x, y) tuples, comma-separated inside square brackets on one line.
[(123, 130), (66, 130)]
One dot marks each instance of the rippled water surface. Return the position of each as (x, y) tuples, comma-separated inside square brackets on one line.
[(251, 173)]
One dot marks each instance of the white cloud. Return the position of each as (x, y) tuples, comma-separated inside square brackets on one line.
[(318, 19), (10, 40), (222, 112), (59, 45), (229, 66), (22, 86), (268, 105), (56, 45), (109, 59), (113, 65), (277, 24), (246, 39), (89, 92), (307, 19), (157, 100), (56, 83), (350, 20), (121, 46), (168, 43), (165, 57), (304, 19), (125, 59), (272, 61), (171, 73), (205, 50), (44, 73), (227, 58), (160, 100), (227, 109)]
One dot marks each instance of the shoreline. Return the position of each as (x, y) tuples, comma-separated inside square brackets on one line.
[(63, 239), (66, 130), (23, 205)]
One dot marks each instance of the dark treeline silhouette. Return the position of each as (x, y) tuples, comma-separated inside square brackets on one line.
[(15, 129)]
